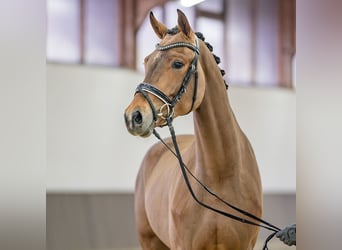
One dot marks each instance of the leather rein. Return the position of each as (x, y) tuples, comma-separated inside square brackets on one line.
[(145, 88)]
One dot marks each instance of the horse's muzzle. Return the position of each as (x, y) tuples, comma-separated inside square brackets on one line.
[(138, 122)]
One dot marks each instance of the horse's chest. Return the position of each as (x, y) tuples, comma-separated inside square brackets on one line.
[(203, 229), (195, 227), (199, 229), (190, 222)]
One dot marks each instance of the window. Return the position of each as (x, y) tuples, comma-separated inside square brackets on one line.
[(83, 31), (63, 29), (254, 39), (248, 36)]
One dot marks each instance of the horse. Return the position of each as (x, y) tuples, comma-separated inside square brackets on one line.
[(182, 76)]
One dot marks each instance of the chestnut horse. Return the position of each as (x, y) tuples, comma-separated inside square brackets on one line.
[(182, 76)]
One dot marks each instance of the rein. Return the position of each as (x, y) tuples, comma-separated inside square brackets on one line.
[(145, 88), (185, 169)]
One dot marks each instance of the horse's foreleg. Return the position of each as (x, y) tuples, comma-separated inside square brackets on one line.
[(148, 239), (151, 242)]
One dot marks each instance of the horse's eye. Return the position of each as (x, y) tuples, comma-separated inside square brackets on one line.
[(177, 65)]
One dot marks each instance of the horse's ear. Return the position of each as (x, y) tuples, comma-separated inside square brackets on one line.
[(159, 28), (183, 23)]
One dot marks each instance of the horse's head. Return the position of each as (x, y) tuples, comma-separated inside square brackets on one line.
[(174, 81)]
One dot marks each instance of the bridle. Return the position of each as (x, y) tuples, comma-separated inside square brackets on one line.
[(145, 88)]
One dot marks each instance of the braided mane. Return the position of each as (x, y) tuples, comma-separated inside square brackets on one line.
[(175, 30)]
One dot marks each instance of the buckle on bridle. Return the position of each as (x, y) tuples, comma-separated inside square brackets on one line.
[(145, 88), (170, 111)]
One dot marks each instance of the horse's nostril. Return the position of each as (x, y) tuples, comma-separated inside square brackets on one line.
[(137, 117)]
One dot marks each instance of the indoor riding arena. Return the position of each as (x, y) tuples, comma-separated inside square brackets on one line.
[(221, 72)]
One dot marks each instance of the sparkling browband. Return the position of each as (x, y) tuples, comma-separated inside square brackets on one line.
[(178, 44)]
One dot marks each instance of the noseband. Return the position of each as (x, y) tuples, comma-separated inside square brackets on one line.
[(145, 88)]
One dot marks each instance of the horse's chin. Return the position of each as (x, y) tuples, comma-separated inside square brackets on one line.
[(147, 131)]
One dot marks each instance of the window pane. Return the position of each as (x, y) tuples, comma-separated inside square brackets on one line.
[(213, 31), (101, 32), (146, 39), (171, 15), (214, 6), (63, 34), (267, 43), (239, 52)]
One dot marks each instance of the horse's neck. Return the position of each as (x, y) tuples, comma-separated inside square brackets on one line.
[(217, 132)]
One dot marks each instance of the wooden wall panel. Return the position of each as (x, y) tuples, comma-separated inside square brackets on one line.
[(90, 221), (106, 221), (287, 41)]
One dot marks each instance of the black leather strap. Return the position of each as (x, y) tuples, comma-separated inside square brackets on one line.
[(146, 87)]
